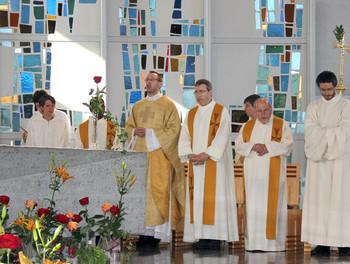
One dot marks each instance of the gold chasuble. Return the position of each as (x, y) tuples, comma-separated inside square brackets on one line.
[(162, 116), (84, 134), (210, 167), (274, 176)]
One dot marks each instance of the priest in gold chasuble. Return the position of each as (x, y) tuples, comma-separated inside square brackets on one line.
[(265, 142), (205, 142), (153, 127)]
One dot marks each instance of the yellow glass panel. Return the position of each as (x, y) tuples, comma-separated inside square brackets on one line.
[(181, 57), (270, 80), (181, 79), (300, 86), (6, 100), (264, 27), (4, 7), (51, 17), (195, 21), (143, 79), (15, 99)]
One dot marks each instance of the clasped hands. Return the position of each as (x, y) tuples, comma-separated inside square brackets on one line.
[(140, 131), (198, 159), (261, 149)]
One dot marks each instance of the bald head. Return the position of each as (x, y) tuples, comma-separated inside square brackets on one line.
[(263, 110)]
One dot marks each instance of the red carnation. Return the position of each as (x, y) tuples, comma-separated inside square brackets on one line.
[(4, 199), (43, 211), (84, 201), (62, 218), (10, 241), (77, 218), (97, 79), (114, 210)]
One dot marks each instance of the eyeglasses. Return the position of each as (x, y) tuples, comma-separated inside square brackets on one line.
[(151, 79), (327, 90), (199, 92)]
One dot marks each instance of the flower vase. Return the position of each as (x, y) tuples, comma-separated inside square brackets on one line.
[(28, 250), (94, 134)]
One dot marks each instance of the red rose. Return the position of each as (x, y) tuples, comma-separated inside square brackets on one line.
[(114, 210), (10, 241), (84, 201), (62, 218), (97, 79), (4, 200), (43, 211), (77, 218)]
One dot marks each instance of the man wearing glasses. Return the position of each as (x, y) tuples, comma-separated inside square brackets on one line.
[(205, 142), (154, 127), (326, 210)]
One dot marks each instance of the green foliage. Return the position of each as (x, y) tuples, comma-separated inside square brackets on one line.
[(91, 255), (339, 33), (96, 104)]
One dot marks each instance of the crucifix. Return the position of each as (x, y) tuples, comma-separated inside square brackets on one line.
[(339, 33), (146, 114)]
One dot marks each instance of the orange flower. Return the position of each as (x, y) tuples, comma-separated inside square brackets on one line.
[(30, 225), (19, 221), (66, 177), (60, 171), (73, 226), (106, 207), (70, 215), (47, 261), (29, 204)]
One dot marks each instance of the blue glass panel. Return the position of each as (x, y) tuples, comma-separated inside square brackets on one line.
[(190, 64), (32, 69), (127, 82), (263, 3), (6, 30), (190, 50), (257, 20), (6, 43), (299, 33), (300, 128), (202, 31), (275, 30), (184, 48), (132, 21), (87, 1), (25, 14), (144, 52), (122, 30), (194, 31), (21, 109), (188, 98), (48, 58), (15, 122), (282, 18), (299, 6), (26, 82), (31, 60), (125, 47), (48, 73), (285, 68), (261, 57), (202, 21), (120, 12), (65, 11), (272, 17), (264, 34), (262, 88), (36, 46), (298, 47), (132, 13), (271, 5), (189, 80), (15, 5), (198, 48), (136, 65), (267, 60), (284, 83), (39, 27), (135, 96), (263, 95), (257, 5), (20, 60), (287, 116), (275, 60), (176, 14), (28, 111), (177, 4), (182, 21), (152, 4), (270, 88), (51, 7), (303, 117), (137, 81), (47, 86), (15, 75), (78, 118), (153, 28), (153, 13), (126, 63), (299, 19), (185, 30), (296, 61)]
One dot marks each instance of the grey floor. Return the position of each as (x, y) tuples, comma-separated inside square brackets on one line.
[(170, 254)]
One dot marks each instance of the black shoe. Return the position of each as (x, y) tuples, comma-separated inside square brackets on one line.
[(321, 251), (210, 244), (256, 251), (213, 244), (344, 251), (201, 244), (147, 242)]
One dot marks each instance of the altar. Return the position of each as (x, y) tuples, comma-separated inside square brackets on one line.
[(24, 175)]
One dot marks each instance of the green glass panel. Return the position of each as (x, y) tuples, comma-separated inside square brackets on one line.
[(71, 7), (5, 117), (20, 99), (295, 84), (15, 108), (279, 100), (39, 12), (26, 50), (263, 89), (133, 31), (125, 11), (38, 81), (16, 62), (274, 48), (143, 19), (263, 72), (182, 65), (299, 104), (261, 82), (135, 48), (27, 98), (25, 1), (279, 114), (127, 99)]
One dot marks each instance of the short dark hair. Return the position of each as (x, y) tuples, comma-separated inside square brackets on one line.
[(208, 84), (251, 99), (327, 77), (37, 95), (160, 78), (44, 98)]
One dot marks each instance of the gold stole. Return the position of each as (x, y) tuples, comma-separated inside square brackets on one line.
[(210, 167), (275, 164), (84, 134)]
